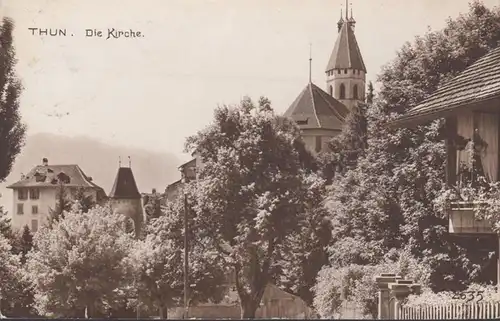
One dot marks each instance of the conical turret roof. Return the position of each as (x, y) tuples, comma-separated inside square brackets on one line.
[(346, 53), (125, 186)]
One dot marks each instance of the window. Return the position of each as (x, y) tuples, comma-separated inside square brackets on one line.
[(34, 226), (20, 209), (338, 71), (355, 92), (342, 91), (345, 71), (318, 144), (34, 193), (34, 209), (331, 90), (22, 194)]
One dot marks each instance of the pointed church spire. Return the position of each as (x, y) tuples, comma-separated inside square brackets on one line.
[(341, 21), (346, 53)]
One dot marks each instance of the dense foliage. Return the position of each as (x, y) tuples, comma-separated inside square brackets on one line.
[(253, 194), (80, 263), (158, 265), (12, 129), (386, 181)]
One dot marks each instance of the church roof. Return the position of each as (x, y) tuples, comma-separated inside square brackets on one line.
[(346, 53), (478, 83), (314, 108), (125, 186)]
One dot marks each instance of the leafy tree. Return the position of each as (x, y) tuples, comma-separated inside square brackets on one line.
[(346, 148), (387, 200), (25, 243), (152, 206), (158, 262), (250, 193), (63, 205), (81, 264), (83, 200), (16, 297), (12, 129), (5, 226), (305, 251), (370, 95)]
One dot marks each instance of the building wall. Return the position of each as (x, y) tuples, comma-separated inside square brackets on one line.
[(309, 138), (46, 201), (131, 208), (275, 303), (353, 77)]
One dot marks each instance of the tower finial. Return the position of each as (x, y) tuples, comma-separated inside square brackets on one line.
[(346, 9), (119, 161), (129, 162), (310, 62)]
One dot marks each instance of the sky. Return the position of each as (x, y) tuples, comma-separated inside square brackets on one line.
[(153, 91)]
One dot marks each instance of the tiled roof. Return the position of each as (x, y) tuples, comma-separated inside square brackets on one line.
[(125, 186), (479, 82), (346, 53), (314, 108), (52, 175)]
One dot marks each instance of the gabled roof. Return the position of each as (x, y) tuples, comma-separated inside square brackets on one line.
[(125, 186), (53, 175), (480, 82), (346, 53), (314, 108)]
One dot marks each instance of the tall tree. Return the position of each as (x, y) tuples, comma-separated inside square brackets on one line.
[(81, 264), (25, 243), (387, 201), (12, 129), (152, 206), (63, 204), (83, 200), (158, 264), (250, 193), (370, 94)]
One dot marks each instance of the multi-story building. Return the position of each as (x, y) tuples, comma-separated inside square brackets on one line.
[(470, 105), (36, 193)]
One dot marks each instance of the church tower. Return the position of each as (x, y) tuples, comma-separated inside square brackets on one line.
[(125, 198), (346, 71)]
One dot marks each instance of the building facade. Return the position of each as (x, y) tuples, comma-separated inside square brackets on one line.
[(36, 193), (126, 200), (470, 105), (320, 114)]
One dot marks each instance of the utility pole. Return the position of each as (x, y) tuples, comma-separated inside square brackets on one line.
[(186, 256)]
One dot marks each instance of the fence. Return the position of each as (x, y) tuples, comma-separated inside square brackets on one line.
[(452, 311)]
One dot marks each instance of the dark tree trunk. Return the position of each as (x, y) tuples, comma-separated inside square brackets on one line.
[(248, 309)]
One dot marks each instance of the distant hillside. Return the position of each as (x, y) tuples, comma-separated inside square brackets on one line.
[(97, 159)]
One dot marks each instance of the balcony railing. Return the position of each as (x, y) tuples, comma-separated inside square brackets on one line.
[(463, 220)]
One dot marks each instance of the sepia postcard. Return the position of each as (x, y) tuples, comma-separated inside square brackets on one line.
[(250, 159)]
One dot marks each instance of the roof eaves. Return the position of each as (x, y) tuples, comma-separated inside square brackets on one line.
[(410, 120), (314, 104)]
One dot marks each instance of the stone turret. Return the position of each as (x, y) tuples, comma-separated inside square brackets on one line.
[(125, 198)]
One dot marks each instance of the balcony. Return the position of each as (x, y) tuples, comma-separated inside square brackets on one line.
[(462, 220)]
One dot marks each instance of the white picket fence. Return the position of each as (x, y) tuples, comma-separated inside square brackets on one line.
[(452, 311)]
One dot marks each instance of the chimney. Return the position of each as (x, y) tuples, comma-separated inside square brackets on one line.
[(45, 161), (153, 191), (89, 178)]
